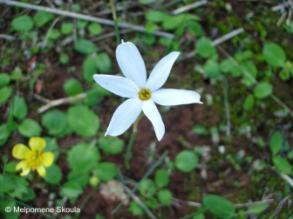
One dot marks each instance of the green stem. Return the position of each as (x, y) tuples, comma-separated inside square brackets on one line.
[(113, 9), (130, 144)]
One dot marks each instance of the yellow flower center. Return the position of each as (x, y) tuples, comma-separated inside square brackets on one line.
[(34, 159), (144, 94)]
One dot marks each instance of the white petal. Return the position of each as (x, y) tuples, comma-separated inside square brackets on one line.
[(161, 71), (171, 97), (116, 84), (131, 62), (150, 110), (124, 116)]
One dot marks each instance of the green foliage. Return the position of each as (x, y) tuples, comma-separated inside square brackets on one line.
[(205, 48), (83, 121), (282, 165), (84, 46), (55, 122), (147, 188), (258, 208), (4, 79), (5, 93), (72, 87), (274, 54), (106, 171), (111, 145), (219, 206), (67, 28), (95, 29), (186, 161), (103, 63), (71, 190), (276, 142), (161, 178), (83, 157), (263, 90), (41, 18), (29, 128), (165, 197), (19, 107), (53, 175), (23, 23)]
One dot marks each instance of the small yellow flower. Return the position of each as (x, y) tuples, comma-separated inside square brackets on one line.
[(33, 157)]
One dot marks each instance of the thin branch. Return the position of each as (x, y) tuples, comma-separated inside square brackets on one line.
[(58, 102), (281, 103), (7, 37), (103, 21), (287, 178), (282, 6), (189, 7), (228, 36)]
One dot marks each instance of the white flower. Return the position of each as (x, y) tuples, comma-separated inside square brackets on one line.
[(142, 93)]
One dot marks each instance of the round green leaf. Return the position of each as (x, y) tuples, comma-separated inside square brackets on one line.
[(262, 90), (111, 145), (95, 29), (41, 18), (22, 23), (71, 190), (83, 121), (103, 63), (89, 68), (165, 197), (161, 178), (72, 87), (83, 157), (55, 121), (147, 187), (205, 48), (106, 171), (274, 55), (186, 161), (5, 93), (53, 174), (219, 206), (29, 128)]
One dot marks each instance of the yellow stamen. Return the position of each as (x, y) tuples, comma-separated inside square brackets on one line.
[(144, 94)]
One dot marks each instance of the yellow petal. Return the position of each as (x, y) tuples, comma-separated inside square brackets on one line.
[(41, 171), (20, 151), (25, 172), (22, 165), (47, 159), (37, 143)]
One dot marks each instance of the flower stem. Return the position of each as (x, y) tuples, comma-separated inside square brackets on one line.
[(113, 9), (133, 134)]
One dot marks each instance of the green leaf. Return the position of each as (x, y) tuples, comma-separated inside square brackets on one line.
[(55, 121), (165, 197), (186, 161), (89, 68), (274, 55), (67, 28), (29, 128), (23, 23), (276, 142), (147, 187), (83, 157), (111, 145), (53, 174), (4, 133), (161, 178), (83, 121), (71, 190), (205, 48), (155, 16), (41, 18), (85, 46), (19, 107), (249, 102), (219, 206), (95, 29), (257, 208), (4, 79), (283, 165), (263, 90), (135, 209), (5, 93), (72, 87), (212, 69), (106, 171), (230, 66), (103, 63)]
